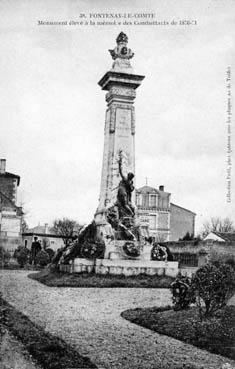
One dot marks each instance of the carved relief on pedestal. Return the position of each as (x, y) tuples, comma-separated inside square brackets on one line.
[(112, 119), (132, 120), (120, 91)]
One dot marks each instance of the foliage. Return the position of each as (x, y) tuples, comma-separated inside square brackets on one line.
[(24, 225), (50, 253), (215, 334), (22, 255), (86, 280), (217, 258), (92, 250), (216, 224), (187, 237), (4, 256), (42, 258), (64, 227), (182, 292), (190, 237), (214, 285)]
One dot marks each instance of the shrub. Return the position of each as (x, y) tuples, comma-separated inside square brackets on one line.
[(21, 254), (182, 292), (214, 285), (4, 256), (42, 258), (218, 258), (50, 253)]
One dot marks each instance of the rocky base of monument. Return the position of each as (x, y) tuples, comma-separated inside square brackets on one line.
[(98, 249)]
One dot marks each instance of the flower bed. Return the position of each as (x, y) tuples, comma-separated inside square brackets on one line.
[(56, 279), (216, 334), (49, 351)]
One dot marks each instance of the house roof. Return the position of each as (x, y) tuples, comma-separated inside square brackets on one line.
[(180, 207), (28, 233), (40, 229), (11, 175), (149, 189), (226, 236)]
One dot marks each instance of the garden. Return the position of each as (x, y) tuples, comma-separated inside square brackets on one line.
[(200, 315)]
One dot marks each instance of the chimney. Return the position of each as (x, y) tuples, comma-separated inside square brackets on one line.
[(2, 166), (46, 228), (161, 188)]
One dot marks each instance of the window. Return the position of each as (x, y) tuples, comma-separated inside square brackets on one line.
[(139, 200), (152, 222), (152, 200), (145, 200)]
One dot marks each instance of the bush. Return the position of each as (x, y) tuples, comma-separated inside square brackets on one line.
[(182, 292), (22, 255), (214, 285), (50, 253), (42, 258), (4, 256), (217, 259)]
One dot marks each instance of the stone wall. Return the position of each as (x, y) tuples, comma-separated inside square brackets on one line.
[(192, 254), (181, 222), (8, 186)]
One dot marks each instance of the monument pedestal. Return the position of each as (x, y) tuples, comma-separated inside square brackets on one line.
[(126, 267)]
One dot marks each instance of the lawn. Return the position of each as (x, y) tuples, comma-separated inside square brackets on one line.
[(215, 334), (48, 351), (57, 279)]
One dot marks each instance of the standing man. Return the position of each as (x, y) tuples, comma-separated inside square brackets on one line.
[(35, 248)]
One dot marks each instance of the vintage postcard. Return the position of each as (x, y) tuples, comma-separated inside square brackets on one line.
[(117, 155)]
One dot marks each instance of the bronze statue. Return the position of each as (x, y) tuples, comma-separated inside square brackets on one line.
[(125, 189)]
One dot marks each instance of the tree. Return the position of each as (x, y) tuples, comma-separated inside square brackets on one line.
[(24, 225), (187, 237), (216, 224), (22, 255), (64, 227), (214, 285), (4, 256)]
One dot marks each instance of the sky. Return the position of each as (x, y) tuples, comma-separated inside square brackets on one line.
[(53, 111)]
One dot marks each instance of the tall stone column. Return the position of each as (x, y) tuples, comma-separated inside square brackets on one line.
[(119, 132)]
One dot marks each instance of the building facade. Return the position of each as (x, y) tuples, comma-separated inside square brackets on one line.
[(161, 219), (45, 235), (11, 215), (153, 211)]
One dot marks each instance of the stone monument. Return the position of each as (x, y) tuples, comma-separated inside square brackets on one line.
[(121, 84), (113, 242)]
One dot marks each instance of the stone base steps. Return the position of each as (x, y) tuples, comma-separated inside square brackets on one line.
[(124, 267)]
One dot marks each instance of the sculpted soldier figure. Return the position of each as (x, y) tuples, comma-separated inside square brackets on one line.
[(125, 189)]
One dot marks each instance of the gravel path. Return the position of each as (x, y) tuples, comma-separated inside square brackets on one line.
[(89, 319)]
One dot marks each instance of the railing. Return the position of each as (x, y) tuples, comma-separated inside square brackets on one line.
[(186, 259)]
